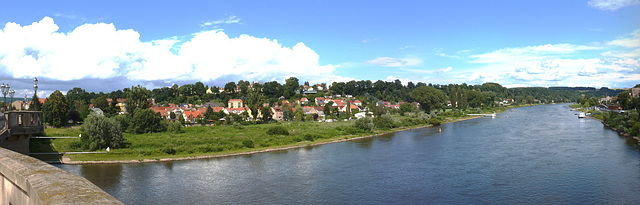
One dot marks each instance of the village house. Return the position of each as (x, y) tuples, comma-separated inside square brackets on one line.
[(237, 111), (97, 111), (276, 113), (320, 101), (235, 103), (18, 104), (192, 116), (307, 110), (357, 102), (635, 92)]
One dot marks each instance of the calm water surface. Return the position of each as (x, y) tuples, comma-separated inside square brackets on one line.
[(532, 155)]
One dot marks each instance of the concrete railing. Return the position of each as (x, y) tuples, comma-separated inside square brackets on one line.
[(26, 180)]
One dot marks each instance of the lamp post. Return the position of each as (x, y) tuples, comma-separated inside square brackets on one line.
[(5, 90), (11, 93), (35, 86)]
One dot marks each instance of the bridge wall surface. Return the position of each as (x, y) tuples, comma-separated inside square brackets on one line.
[(26, 180), (16, 128)]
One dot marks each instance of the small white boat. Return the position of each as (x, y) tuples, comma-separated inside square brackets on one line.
[(582, 115)]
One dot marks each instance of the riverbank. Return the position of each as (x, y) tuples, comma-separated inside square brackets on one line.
[(204, 138), (620, 132), (67, 160)]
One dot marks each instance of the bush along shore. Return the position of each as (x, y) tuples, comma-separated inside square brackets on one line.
[(626, 124), (198, 142)]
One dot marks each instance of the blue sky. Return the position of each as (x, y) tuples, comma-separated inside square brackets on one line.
[(109, 45)]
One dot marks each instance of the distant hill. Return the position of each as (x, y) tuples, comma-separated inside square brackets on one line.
[(591, 91)]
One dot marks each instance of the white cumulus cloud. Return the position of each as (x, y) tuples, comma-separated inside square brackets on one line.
[(100, 51)]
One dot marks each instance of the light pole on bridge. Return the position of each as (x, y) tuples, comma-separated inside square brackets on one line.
[(11, 93), (5, 90)]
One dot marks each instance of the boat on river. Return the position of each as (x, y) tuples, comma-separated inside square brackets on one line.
[(582, 115)]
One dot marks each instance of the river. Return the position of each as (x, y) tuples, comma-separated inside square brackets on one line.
[(531, 155)]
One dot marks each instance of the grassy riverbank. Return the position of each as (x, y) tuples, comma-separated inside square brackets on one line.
[(218, 141)]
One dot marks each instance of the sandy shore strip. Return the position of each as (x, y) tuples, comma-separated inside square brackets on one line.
[(66, 160)]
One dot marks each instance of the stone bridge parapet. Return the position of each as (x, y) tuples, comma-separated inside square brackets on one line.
[(26, 180)]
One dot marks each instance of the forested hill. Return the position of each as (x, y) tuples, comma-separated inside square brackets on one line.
[(591, 91)]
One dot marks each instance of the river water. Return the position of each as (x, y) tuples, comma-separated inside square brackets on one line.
[(532, 155)]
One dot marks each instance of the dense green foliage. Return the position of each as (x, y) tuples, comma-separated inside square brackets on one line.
[(365, 124), (55, 110), (145, 121), (174, 127), (101, 132), (627, 122), (277, 130), (429, 98), (35, 103), (384, 122)]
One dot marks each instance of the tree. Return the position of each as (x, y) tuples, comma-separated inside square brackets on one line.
[(82, 108), (475, 98), (55, 109), (146, 121), (623, 99), (348, 108), (35, 103), (113, 108), (77, 94), (404, 108), (290, 87), (230, 87), (181, 119), (327, 108), (101, 102), (101, 132), (298, 114), (266, 113), (428, 97), (208, 114), (137, 99), (172, 115)]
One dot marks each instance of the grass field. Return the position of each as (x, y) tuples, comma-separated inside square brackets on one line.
[(218, 140)]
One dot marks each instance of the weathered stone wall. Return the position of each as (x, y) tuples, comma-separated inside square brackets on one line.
[(26, 180)]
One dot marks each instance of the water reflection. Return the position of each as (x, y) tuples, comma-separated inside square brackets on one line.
[(105, 176)]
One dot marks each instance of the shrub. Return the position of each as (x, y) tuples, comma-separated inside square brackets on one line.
[(101, 132), (308, 137), (277, 130), (247, 143), (237, 125), (174, 127), (76, 144), (351, 130), (434, 121), (123, 120), (384, 121), (168, 149), (365, 124)]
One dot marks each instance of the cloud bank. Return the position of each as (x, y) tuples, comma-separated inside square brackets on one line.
[(562, 64), (101, 51)]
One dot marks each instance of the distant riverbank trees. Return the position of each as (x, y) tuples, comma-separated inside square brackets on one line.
[(260, 96)]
